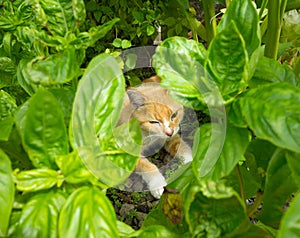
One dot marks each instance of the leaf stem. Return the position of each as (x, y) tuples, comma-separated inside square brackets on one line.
[(210, 20), (241, 183), (275, 15), (256, 204)]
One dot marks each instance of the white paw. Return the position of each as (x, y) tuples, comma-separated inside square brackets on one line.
[(157, 192), (187, 158), (156, 185)]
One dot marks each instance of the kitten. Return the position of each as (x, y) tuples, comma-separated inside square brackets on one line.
[(159, 117)]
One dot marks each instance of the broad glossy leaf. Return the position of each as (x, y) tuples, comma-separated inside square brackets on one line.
[(52, 70), (73, 169), (293, 160), (219, 150), (271, 71), (157, 231), (290, 223), (228, 61), (7, 191), (125, 230), (40, 216), (272, 112), (44, 134), (179, 62), (245, 16), (95, 113), (37, 179), (59, 15), (88, 213), (213, 210), (277, 190)]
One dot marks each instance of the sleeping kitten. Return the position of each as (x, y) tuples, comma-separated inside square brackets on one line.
[(159, 117)]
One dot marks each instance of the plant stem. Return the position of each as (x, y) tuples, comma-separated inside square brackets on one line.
[(275, 15), (256, 204), (241, 183), (210, 20)]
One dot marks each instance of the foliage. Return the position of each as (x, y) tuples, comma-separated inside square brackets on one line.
[(60, 148)]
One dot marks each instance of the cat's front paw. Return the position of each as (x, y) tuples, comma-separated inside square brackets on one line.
[(156, 186)]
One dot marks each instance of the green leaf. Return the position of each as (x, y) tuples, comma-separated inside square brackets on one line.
[(117, 42), (271, 71), (277, 190), (157, 231), (228, 61), (138, 15), (88, 213), (178, 62), (7, 71), (40, 216), (245, 17), (73, 169), (212, 158), (79, 10), (213, 210), (44, 134), (150, 30), (124, 229), (37, 179), (59, 15), (96, 33), (7, 110), (262, 109), (6, 126), (7, 191), (7, 105), (294, 165), (290, 223), (126, 44), (55, 69), (92, 116)]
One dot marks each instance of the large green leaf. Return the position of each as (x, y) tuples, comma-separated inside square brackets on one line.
[(56, 14), (290, 223), (245, 16), (40, 216), (7, 109), (44, 134), (180, 64), (272, 112), (271, 71), (57, 68), (37, 179), (88, 213), (214, 210), (7, 190), (228, 61), (95, 113), (293, 160), (73, 169), (278, 189), (215, 157)]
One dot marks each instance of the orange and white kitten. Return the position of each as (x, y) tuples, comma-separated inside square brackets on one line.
[(159, 117)]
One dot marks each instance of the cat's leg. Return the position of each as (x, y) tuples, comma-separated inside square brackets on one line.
[(175, 146), (151, 176)]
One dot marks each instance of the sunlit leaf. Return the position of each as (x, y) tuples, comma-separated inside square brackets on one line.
[(272, 112), (7, 191), (40, 215), (44, 134), (88, 213)]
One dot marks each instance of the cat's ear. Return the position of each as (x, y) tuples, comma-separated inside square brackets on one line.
[(136, 98)]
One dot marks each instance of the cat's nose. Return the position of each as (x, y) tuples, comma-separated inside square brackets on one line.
[(169, 131)]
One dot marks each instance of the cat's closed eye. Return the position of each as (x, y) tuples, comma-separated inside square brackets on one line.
[(154, 122), (174, 115)]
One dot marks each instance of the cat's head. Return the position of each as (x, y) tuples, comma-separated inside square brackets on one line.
[(157, 114)]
